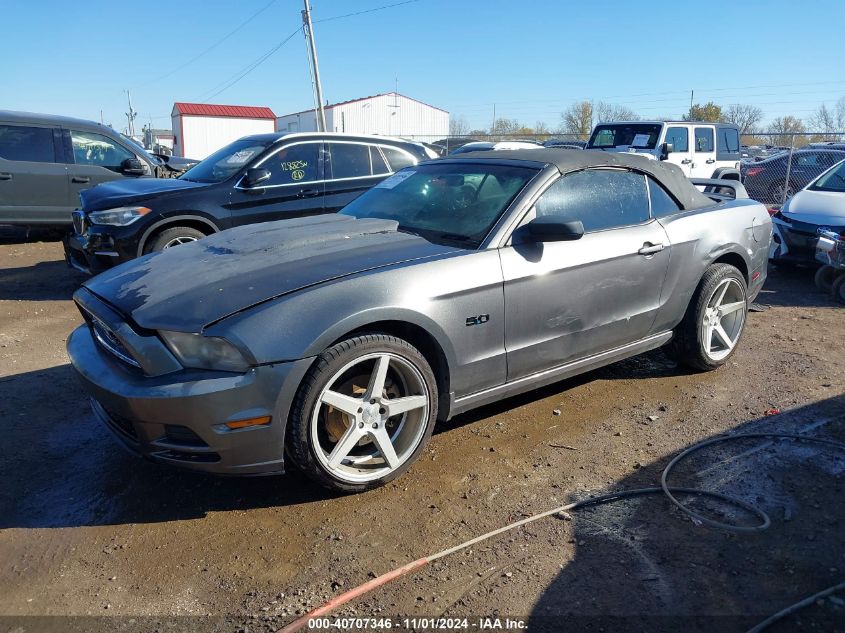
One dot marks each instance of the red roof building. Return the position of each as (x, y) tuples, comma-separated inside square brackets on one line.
[(201, 129)]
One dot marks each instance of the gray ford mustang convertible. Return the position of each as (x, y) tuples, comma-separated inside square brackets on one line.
[(338, 341)]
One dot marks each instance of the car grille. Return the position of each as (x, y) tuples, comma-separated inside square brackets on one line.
[(107, 339), (80, 222)]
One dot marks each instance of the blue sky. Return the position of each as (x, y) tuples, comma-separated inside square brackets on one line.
[(531, 58)]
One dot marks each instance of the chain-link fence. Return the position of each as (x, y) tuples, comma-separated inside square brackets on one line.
[(775, 165)]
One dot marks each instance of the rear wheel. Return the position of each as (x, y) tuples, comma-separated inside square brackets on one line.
[(838, 289), (781, 191), (174, 236), (825, 276), (714, 322), (363, 414)]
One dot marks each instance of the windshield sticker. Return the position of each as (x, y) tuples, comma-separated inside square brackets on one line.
[(239, 158), (640, 140), (395, 179)]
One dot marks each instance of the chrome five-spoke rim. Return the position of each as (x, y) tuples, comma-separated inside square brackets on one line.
[(370, 417), (723, 319), (176, 241)]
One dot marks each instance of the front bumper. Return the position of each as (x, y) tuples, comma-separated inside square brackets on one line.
[(179, 418), (93, 248)]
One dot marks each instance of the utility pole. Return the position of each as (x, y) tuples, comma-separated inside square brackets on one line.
[(312, 47), (493, 129), (691, 93), (130, 116)]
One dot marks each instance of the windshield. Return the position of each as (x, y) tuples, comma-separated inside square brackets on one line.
[(637, 135), (225, 162), (833, 180), (455, 203)]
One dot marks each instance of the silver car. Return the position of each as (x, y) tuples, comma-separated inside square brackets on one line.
[(339, 341)]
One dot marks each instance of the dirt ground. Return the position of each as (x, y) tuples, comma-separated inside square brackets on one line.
[(89, 530)]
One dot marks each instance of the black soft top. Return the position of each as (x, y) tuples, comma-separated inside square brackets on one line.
[(667, 174)]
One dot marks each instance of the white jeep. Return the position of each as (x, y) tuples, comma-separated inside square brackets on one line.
[(702, 150)]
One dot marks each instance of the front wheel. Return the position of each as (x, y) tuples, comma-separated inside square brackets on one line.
[(714, 322), (363, 414), (174, 236)]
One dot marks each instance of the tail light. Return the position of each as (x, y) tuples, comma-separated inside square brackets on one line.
[(753, 171), (772, 211)]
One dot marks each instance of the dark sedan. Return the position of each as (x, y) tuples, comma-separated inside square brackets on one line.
[(774, 180), (255, 179)]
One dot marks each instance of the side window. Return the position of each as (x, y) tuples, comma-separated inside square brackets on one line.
[(600, 198), (703, 139), (95, 149), (24, 143), (397, 159), (294, 164), (662, 204), (679, 138), (348, 160), (377, 160), (810, 160), (728, 140)]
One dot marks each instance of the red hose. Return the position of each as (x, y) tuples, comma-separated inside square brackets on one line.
[(350, 595)]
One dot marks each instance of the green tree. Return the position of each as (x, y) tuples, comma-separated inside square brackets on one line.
[(707, 112)]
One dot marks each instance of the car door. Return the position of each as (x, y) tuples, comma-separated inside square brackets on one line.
[(704, 152), (95, 158), (569, 300), (33, 181), (678, 136), (295, 187)]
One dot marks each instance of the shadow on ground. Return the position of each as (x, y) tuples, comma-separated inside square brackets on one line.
[(638, 558)]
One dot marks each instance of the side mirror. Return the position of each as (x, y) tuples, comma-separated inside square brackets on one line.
[(255, 176), (665, 150), (552, 229), (132, 167)]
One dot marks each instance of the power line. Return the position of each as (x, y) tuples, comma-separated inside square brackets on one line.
[(349, 15), (249, 68), (213, 46)]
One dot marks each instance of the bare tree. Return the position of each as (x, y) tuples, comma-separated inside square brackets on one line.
[(783, 131), (577, 119), (745, 116), (505, 127), (458, 126), (828, 121), (604, 112)]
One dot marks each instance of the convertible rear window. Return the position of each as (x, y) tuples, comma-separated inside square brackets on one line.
[(455, 203)]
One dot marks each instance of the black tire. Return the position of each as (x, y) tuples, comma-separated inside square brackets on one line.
[(167, 236), (776, 191), (299, 443), (825, 276), (687, 345), (837, 291)]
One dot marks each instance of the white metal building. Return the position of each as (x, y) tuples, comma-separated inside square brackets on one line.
[(202, 128), (389, 114)]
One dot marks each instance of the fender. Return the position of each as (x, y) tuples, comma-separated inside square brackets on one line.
[(726, 173), (172, 219)]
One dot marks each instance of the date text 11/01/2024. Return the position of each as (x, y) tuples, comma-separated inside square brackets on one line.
[(419, 624)]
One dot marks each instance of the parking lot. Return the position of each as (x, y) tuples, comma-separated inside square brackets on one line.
[(87, 529)]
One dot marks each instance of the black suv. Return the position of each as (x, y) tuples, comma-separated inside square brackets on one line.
[(46, 160), (255, 179)]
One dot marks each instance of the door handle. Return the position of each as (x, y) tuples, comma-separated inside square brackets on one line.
[(80, 179), (650, 249), (308, 193), (5, 176), (710, 161), (686, 161)]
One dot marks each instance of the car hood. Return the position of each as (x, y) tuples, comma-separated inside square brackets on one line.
[(194, 285), (116, 193), (823, 208)]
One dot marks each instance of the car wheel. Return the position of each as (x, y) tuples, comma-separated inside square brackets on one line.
[(710, 330), (825, 276), (363, 414), (174, 236), (777, 192), (838, 289)]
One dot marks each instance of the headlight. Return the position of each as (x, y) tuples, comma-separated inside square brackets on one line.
[(204, 352), (120, 216)]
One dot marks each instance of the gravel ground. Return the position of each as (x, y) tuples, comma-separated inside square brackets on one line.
[(89, 530)]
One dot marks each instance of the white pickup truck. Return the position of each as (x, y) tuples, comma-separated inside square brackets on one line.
[(700, 149)]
